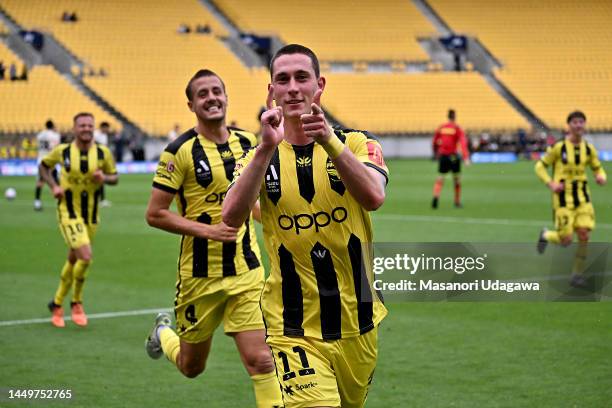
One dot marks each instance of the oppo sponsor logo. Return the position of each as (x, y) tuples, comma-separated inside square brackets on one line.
[(215, 198), (316, 220)]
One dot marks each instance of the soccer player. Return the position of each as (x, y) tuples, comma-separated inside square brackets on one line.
[(220, 276), (46, 140), (86, 167), (101, 136), (316, 186), (572, 206), (446, 139)]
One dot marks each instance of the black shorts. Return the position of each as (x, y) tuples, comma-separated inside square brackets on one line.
[(449, 163)]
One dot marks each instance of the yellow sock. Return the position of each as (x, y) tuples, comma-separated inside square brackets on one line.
[(171, 345), (580, 258), (64, 284), (79, 273), (267, 390), (552, 237)]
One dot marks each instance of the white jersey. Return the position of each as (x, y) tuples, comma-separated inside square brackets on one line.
[(46, 141), (101, 137)]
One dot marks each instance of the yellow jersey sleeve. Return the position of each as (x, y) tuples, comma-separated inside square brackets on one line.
[(170, 173), (595, 164), (550, 156), (368, 151), (54, 156), (108, 167)]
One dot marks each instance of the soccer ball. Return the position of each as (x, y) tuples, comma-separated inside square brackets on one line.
[(10, 193)]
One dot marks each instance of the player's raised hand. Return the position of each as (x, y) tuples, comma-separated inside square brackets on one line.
[(221, 232), (314, 124), (271, 122)]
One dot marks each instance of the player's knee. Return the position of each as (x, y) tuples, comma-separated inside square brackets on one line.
[(259, 362), (566, 240), (85, 257), (191, 369)]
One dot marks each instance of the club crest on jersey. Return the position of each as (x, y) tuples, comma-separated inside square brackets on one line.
[(226, 154), (304, 161)]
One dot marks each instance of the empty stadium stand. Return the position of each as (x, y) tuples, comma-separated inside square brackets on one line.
[(552, 64), (367, 30), (394, 103), (147, 61), (26, 105), (556, 53)]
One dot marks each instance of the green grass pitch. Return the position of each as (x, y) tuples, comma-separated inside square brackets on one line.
[(431, 354)]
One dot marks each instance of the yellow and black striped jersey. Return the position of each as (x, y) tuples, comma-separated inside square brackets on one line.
[(198, 171), (315, 232), (569, 164), (81, 193)]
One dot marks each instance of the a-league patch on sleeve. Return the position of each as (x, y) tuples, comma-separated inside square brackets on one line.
[(375, 154)]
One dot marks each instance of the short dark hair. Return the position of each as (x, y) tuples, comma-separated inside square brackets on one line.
[(49, 124), (81, 114), (297, 49), (201, 73), (451, 114), (104, 124), (576, 114)]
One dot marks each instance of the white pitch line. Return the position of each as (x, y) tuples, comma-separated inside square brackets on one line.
[(89, 316), (472, 220)]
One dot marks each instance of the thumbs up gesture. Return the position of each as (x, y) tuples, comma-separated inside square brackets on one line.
[(314, 123)]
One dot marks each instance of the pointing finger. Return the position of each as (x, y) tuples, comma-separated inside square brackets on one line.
[(270, 99), (316, 109)]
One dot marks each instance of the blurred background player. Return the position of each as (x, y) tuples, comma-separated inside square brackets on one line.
[(86, 167), (316, 187), (220, 275), (446, 139), (46, 140), (102, 136), (572, 206)]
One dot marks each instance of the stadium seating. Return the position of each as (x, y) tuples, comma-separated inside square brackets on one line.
[(8, 57), (147, 62), (556, 53), (370, 30), (46, 95), (396, 102)]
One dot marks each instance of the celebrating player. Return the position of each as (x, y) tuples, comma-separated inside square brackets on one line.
[(445, 142), (316, 186), (220, 276), (572, 204), (86, 167)]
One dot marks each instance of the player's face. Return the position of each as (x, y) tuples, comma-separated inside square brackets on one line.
[(577, 126), (84, 128), (295, 84), (209, 101)]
